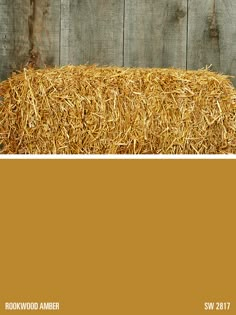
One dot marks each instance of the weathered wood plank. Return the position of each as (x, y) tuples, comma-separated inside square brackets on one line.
[(212, 35), (44, 30), (29, 33), (14, 35), (92, 32), (155, 33)]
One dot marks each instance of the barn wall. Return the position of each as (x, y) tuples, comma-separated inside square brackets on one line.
[(148, 33)]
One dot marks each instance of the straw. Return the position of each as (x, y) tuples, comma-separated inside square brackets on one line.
[(112, 110)]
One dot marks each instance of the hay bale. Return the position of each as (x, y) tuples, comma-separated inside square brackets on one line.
[(112, 110)]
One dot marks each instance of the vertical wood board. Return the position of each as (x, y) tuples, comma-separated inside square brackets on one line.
[(155, 33), (92, 32), (29, 34), (212, 35), (14, 36), (45, 37)]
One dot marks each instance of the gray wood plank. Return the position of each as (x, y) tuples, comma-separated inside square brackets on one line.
[(212, 35), (92, 32), (155, 33), (14, 35), (29, 33)]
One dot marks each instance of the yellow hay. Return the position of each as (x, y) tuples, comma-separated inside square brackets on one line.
[(112, 110)]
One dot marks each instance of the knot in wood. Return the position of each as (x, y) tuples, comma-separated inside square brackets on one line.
[(214, 33), (180, 13)]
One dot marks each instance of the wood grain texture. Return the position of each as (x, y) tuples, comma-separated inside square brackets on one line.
[(92, 32), (155, 33), (146, 33), (29, 34), (44, 32), (212, 35), (14, 35)]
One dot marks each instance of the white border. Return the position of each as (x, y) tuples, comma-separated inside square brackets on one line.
[(119, 157)]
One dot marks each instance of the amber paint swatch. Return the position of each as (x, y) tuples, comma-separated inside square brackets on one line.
[(118, 237)]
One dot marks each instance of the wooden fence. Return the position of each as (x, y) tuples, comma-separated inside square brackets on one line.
[(150, 33)]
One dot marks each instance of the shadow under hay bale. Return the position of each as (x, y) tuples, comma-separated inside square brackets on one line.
[(112, 110)]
